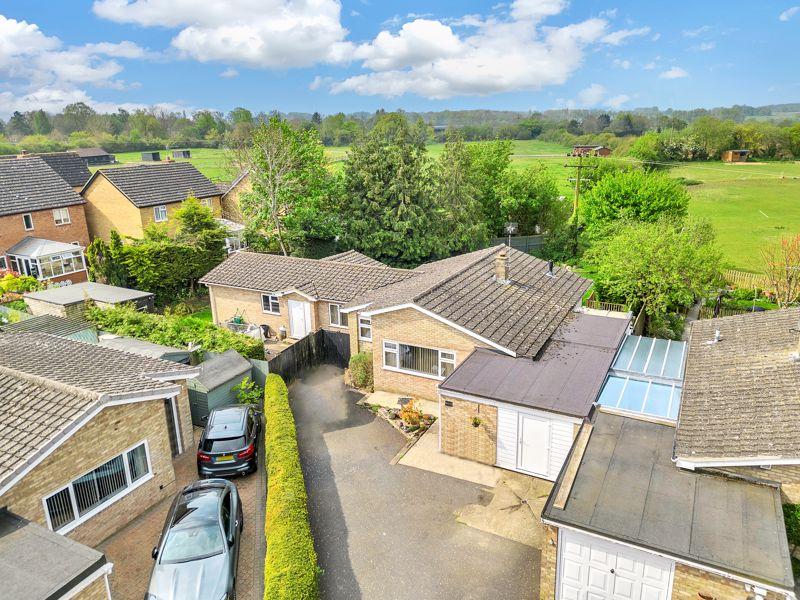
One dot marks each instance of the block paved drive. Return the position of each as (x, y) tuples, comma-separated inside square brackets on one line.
[(129, 549), (389, 531)]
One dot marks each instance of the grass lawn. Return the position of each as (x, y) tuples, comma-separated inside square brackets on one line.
[(203, 315), (210, 162)]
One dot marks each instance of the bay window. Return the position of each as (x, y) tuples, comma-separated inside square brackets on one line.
[(429, 362)]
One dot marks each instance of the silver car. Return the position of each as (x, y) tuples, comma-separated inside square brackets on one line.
[(198, 551)]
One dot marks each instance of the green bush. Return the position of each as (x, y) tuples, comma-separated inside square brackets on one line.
[(361, 370), (172, 330), (290, 568)]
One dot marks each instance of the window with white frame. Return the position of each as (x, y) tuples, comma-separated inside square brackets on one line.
[(87, 494), (61, 216), (270, 304), (364, 328), (338, 318), (415, 359), (27, 221), (56, 265), (160, 213), (206, 202)]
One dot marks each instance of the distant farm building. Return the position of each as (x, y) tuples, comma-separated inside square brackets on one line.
[(151, 156), (181, 154), (590, 151), (733, 156), (95, 156)]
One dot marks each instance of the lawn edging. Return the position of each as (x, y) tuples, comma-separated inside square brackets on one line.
[(290, 567)]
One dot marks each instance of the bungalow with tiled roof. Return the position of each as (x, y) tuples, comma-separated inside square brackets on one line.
[(130, 197)]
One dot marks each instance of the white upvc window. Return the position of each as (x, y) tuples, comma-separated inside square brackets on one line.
[(61, 216), (270, 304), (338, 318), (160, 213), (56, 265), (365, 328), (89, 494), (426, 362), (27, 221), (207, 202)]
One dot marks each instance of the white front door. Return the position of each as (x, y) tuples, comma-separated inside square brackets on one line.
[(299, 318), (534, 445), (591, 568)]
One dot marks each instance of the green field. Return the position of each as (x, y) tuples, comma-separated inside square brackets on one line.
[(750, 204)]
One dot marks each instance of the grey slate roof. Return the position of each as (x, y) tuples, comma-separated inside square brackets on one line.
[(28, 184), (741, 395), (39, 564), (320, 279), (356, 258), (78, 292), (69, 165), (519, 316), (565, 379), (222, 368), (47, 324), (628, 489), (90, 152), (161, 183)]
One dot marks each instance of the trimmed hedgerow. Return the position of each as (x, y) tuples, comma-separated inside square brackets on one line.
[(290, 568), (361, 370)]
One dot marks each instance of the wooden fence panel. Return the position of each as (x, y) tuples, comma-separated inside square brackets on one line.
[(317, 348), (743, 279)]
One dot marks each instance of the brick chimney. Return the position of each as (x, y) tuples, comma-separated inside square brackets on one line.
[(501, 266)]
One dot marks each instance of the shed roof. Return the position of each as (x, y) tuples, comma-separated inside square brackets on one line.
[(565, 379), (162, 183), (39, 564), (720, 522), (141, 347), (90, 152), (221, 368), (79, 292), (29, 184), (741, 395), (69, 165)]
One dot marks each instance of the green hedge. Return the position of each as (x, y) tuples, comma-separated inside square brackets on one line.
[(361, 370), (290, 569)]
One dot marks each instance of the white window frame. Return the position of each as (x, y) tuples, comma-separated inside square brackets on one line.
[(207, 202), (80, 519), (61, 257), (365, 322), (61, 216), (338, 322), (398, 369), (27, 217), (270, 299), (160, 213)]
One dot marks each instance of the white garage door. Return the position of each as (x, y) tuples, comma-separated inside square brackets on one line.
[(595, 569)]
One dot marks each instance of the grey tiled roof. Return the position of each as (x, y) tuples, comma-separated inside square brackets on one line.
[(29, 184), (160, 183), (320, 279), (741, 395), (71, 167), (355, 257), (48, 324), (90, 152)]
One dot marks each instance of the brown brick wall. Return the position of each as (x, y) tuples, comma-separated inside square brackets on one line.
[(94, 591), (410, 326), (112, 431), (230, 203), (787, 475), (147, 214), (107, 208), (461, 438), (690, 582), (549, 562), (185, 418), (12, 229)]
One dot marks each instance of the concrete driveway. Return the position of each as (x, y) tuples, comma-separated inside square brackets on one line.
[(389, 531)]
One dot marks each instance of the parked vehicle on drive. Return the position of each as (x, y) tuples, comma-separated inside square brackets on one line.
[(198, 551), (229, 443)]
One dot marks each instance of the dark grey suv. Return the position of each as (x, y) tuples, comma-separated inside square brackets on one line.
[(229, 444), (198, 551)]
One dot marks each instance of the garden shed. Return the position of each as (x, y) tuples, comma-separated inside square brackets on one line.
[(151, 156), (181, 154), (213, 387)]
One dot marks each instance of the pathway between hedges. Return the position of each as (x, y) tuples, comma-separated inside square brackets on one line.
[(388, 531)]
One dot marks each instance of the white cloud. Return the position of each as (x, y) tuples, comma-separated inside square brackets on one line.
[(650, 66), (536, 10), (229, 73), (616, 102), (615, 38), (674, 73), (591, 95), (622, 64), (417, 43), (697, 32), (256, 33), (789, 13)]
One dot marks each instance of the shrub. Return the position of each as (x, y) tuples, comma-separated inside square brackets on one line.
[(248, 392), (12, 282), (361, 370), (410, 414), (290, 568)]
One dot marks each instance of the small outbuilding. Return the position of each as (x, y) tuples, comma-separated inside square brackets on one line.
[(145, 348), (213, 387), (591, 150), (181, 154), (68, 300), (151, 156), (95, 156), (733, 156)]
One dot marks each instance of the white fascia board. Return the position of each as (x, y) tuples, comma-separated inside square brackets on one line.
[(433, 315), (355, 308), (700, 463), (528, 410)]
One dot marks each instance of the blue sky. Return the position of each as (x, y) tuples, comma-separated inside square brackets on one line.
[(353, 55)]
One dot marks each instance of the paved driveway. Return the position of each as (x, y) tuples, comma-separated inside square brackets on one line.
[(129, 549), (389, 532)]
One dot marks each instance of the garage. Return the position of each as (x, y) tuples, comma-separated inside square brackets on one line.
[(594, 568)]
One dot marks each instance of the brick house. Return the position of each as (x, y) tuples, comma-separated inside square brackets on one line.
[(87, 433), (43, 229), (130, 197), (230, 200)]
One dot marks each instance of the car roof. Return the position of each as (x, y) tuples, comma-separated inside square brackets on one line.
[(226, 422), (197, 506)]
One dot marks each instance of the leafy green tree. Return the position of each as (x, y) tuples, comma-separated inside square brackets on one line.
[(76, 117), (386, 209), (40, 122), (530, 198), (490, 161), (18, 125), (635, 195), (106, 260), (714, 135)]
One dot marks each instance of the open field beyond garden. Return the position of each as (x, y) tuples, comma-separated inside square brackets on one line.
[(749, 204)]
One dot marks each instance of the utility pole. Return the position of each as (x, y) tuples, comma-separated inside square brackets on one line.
[(576, 201)]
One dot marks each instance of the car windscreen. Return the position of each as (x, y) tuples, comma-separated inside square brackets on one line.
[(192, 542), (224, 444)]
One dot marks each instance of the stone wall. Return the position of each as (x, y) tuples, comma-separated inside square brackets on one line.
[(460, 437)]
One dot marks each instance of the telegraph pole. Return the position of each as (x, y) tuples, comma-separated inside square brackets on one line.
[(576, 201)]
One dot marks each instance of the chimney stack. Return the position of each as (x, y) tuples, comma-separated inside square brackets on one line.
[(501, 266)]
